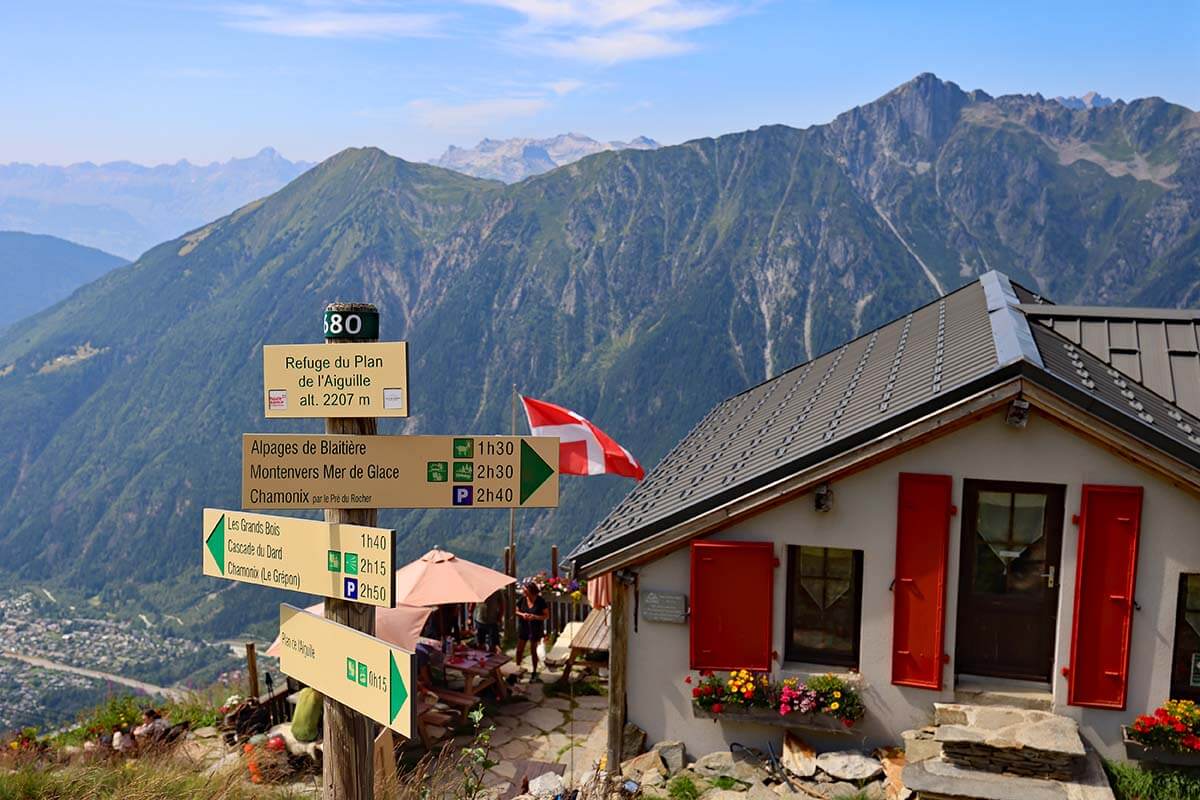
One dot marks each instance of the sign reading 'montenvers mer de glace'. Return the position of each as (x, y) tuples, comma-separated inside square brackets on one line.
[(335, 471)]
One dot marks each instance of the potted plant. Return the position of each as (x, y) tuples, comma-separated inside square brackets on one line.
[(1169, 735), (826, 702)]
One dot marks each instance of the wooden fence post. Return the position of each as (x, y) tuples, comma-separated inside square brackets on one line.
[(252, 669)]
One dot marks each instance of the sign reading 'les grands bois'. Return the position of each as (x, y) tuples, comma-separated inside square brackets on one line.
[(356, 379)]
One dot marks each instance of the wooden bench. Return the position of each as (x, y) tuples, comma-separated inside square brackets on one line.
[(460, 700)]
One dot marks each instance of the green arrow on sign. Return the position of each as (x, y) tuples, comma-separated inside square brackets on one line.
[(534, 471), (216, 543), (396, 689)]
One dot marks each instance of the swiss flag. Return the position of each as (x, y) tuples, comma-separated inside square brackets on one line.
[(583, 449)]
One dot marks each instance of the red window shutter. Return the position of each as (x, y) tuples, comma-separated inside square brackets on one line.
[(919, 622), (732, 589), (1106, 564)]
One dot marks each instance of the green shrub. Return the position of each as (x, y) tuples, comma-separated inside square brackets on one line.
[(1131, 781)]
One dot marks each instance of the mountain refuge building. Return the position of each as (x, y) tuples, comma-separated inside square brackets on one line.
[(991, 500)]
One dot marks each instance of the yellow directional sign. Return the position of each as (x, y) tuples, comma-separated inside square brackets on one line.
[(308, 471), (331, 559), (367, 674), (355, 379)]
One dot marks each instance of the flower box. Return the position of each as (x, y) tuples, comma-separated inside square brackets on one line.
[(1136, 751), (767, 716)]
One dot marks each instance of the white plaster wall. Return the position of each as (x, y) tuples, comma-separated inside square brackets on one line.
[(864, 518)]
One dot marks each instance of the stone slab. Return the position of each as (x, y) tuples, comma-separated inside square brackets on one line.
[(936, 777)]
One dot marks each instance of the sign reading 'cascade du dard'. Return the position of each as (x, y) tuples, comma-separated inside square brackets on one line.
[(302, 471), (360, 671), (331, 559), (356, 379)]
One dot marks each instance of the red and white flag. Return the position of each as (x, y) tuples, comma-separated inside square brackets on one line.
[(583, 449)]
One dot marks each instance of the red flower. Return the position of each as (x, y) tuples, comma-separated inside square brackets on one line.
[(847, 722), (696, 692), (1179, 727), (717, 708), (688, 679)]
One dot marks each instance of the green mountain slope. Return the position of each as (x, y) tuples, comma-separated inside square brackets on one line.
[(636, 287), (38, 271)]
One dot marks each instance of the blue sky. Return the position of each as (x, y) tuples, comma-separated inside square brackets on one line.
[(158, 81)]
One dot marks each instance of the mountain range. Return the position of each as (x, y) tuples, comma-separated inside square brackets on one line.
[(512, 160), (125, 208), (38, 271), (637, 287)]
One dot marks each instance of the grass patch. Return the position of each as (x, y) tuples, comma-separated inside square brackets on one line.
[(201, 709), (682, 787), (725, 782), (1132, 781), (143, 779)]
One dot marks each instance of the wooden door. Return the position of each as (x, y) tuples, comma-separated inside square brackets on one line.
[(1009, 578)]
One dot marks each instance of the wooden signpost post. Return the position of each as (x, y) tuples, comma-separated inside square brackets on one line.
[(348, 772)]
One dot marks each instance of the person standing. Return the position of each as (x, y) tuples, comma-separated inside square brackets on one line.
[(532, 611), (487, 616)]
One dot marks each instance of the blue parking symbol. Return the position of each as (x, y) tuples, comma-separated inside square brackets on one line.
[(463, 495), (351, 588)]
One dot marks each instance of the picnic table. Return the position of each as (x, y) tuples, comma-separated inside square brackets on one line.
[(479, 669)]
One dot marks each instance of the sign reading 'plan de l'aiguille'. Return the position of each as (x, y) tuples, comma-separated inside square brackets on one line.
[(360, 671), (357, 379), (333, 471), (331, 559)]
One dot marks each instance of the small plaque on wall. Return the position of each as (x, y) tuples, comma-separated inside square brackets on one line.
[(1195, 677), (664, 607)]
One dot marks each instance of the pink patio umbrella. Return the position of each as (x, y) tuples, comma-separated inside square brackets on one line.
[(438, 578), (400, 625)]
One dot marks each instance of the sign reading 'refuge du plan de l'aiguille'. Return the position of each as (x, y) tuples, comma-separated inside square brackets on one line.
[(355, 379)]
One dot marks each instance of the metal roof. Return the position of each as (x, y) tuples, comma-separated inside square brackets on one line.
[(973, 338), (1156, 347)]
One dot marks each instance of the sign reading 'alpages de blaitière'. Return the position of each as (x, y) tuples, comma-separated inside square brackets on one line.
[(356, 379), (302, 471)]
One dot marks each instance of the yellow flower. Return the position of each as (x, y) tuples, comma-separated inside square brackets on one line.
[(833, 706), (837, 694)]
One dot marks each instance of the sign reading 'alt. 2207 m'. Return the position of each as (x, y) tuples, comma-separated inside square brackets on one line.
[(301, 471), (356, 379), (331, 559)]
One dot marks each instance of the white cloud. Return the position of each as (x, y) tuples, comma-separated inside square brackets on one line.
[(565, 86), (324, 21), (474, 115), (612, 31)]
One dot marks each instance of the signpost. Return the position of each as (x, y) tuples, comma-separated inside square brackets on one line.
[(351, 473), (361, 379), (359, 671), (301, 471), (346, 562)]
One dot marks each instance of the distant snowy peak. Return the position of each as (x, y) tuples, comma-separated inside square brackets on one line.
[(512, 160), (1089, 100)]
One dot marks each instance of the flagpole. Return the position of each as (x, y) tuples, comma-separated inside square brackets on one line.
[(510, 616)]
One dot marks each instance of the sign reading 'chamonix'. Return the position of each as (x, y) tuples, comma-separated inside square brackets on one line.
[(333, 471)]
